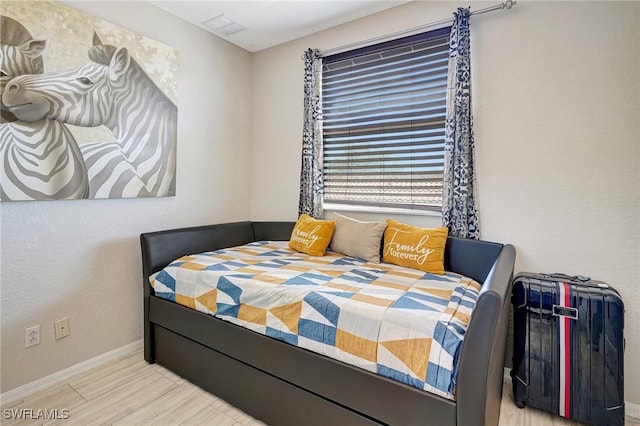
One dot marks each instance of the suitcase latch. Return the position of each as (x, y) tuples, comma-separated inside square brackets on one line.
[(563, 311)]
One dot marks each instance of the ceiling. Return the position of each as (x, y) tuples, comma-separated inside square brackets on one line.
[(266, 23)]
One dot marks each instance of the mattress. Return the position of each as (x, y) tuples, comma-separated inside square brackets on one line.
[(397, 322)]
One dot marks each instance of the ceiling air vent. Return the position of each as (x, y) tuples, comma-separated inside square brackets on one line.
[(223, 25)]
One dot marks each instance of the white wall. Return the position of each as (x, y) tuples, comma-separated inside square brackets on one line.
[(557, 107), (81, 259)]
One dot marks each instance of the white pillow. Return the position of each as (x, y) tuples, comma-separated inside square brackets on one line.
[(356, 238)]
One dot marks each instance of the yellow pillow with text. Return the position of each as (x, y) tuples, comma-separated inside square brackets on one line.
[(311, 236), (414, 247)]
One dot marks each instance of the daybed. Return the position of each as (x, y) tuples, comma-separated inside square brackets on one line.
[(285, 385)]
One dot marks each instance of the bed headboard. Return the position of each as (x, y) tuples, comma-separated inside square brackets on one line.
[(471, 258)]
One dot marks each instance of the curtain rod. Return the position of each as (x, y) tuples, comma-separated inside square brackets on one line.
[(506, 5)]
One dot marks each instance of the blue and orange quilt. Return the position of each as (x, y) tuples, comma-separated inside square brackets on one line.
[(398, 322)]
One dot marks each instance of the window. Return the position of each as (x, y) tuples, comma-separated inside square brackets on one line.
[(384, 122)]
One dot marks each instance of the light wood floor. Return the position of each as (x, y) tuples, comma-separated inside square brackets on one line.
[(128, 391)]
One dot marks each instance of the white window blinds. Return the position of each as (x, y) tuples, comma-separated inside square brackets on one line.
[(384, 117)]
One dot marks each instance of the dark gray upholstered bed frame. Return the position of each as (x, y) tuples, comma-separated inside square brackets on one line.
[(286, 385)]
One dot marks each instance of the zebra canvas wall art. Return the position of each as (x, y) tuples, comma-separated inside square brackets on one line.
[(107, 114), (112, 91)]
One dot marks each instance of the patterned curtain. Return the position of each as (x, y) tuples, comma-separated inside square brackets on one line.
[(459, 211), (311, 173)]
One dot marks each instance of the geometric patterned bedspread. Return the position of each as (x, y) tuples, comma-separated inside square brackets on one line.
[(398, 322)]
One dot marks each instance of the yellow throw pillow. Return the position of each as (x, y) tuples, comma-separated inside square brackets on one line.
[(312, 236), (419, 248)]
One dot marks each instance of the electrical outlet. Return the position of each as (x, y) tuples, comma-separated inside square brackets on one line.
[(62, 328), (32, 336)]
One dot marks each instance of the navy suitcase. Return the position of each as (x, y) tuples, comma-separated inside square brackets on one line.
[(568, 347)]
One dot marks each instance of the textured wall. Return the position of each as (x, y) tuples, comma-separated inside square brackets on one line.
[(81, 259), (557, 107)]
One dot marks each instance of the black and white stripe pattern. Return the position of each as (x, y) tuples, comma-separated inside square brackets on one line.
[(40, 161), (112, 91), (23, 59)]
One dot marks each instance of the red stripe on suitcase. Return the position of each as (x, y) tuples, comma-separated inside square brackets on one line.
[(565, 353)]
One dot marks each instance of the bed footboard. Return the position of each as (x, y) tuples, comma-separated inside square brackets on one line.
[(481, 369)]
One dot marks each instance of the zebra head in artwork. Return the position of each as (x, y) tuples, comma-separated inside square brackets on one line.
[(111, 90), (20, 54)]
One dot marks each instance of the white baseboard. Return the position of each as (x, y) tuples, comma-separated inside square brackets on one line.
[(62, 376), (630, 409)]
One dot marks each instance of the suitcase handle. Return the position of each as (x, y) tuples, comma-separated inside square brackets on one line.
[(580, 278), (586, 281)]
